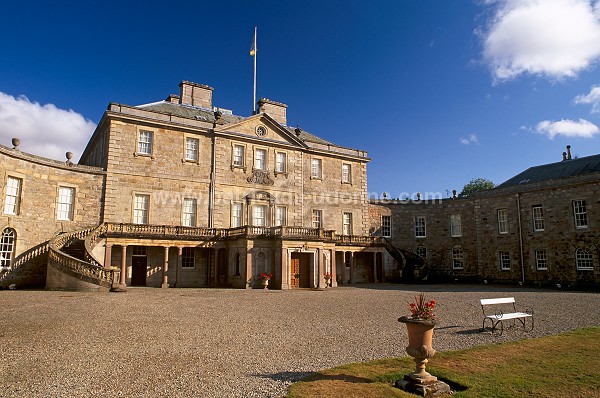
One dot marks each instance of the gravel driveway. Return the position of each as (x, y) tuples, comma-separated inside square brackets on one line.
[(235, 343)]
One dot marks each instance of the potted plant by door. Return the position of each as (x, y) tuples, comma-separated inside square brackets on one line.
[(327, 279), (420, 325), (265, 279)]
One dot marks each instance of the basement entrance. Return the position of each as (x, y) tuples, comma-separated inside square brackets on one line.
[(139, 263), (300, 270)]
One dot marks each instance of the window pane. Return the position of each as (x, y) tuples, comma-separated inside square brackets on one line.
[(420, 227), (189, 212), (346, 175), (538, 218), (238, 155), (281, 162), (504, 261), (502, 221), (457, 257), (191, 149), (315, 170), (145, 142), (455, 225), (236, 215), (65, 203), (7, 247), (317, 218), (541, 260), (13, 190), (347, 224), (260, 216), (188, 257), (386, 226), (580, 212), (280, 216), (140, 209), (584, 260), (260, 156)]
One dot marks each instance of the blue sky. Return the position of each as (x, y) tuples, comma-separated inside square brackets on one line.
[(438, 92)]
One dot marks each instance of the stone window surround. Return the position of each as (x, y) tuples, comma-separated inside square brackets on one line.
[(137, 153), (502, 221), (388, 226), (504, 260), (584, 255), (320, 169), (231, 223), (458, 257), (185, 159), (134, 194), (348, 223), (19, 197), (348, 179), (244, 155), (455, 225), (537, 218), (195, 213), (582, 215), (73, 203), (256, 148), (285, 164), (539, 257), (417, 225)]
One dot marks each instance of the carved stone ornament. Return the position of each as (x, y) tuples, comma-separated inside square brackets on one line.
[(260, 177)]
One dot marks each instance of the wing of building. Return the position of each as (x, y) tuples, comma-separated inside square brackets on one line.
[(181, 193)]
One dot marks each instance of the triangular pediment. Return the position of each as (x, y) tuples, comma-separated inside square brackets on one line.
[(261, 127)]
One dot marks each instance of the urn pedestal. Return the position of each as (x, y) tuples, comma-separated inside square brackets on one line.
[(420, 336), (265, 283)]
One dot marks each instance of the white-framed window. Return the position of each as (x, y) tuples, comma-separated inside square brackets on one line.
[(457, 257), (12, 201), (239, 155), (455, 225), (188, 218), (502, 221), (316, 168), (420, 231), (317, 218), (541, 260), (580, 214), (236, 215), (421, 251), (386, 226), (280, 216), (7, 247), (141, 203), (260, 159), (347, 223), (145, 142), (346, 173), (281, 162), (504, 260), (537, 213), (192, 146), (260, 215), (188, 257), (584, 260), (64, 208)]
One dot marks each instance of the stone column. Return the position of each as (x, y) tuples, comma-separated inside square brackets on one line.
[(375, 273), (123, 277), (320, 266), (249, 278), (178, 269), (351, 281), (107, 256), (165, 283), (285, 270), (333, 269)]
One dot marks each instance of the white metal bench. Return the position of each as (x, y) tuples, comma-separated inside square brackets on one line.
[(499, 316)]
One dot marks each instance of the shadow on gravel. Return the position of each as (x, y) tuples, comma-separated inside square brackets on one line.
[(309, 376), (284, 376)]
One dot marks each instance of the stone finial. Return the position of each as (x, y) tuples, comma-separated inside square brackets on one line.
[(454, 194), (16, 142), (298, 131), (69, 156)]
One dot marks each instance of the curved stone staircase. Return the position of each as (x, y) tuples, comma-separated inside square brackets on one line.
[(72, 267), (412, 265)]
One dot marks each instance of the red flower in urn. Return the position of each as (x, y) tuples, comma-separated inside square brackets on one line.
[(421, 309), (265, 277)]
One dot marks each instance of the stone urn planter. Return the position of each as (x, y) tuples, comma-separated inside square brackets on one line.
[(420, 337), (265, 283)]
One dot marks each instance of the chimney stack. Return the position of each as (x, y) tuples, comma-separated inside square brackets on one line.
[(195, 94), (564, 156), (568, 152), (276, 110)]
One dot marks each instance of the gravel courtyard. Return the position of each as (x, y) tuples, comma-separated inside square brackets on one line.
[(235, 343)]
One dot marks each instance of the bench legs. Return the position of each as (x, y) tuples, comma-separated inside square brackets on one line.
[(494, 324)]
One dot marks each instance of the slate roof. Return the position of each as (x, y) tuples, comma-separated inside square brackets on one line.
[(552, 171), (207, 115)]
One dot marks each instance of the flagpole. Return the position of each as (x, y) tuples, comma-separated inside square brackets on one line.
[(254, 102)]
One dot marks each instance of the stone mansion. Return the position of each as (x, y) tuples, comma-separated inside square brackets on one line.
[(181, 193)]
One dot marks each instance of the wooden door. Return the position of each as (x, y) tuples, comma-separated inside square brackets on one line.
[(138, 271), (295, 273)]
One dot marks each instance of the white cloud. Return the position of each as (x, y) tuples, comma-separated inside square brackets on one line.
[(551, 38), (44, 130), (568, 128), (591, 98), (469, 139)]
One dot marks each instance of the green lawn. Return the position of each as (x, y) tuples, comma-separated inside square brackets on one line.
[(566, 365)]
